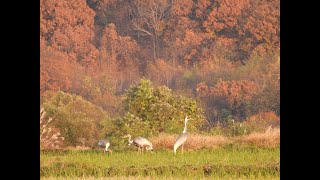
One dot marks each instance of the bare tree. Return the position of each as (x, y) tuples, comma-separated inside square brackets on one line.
[(148, 18)]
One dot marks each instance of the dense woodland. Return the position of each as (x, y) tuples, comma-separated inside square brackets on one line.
[(109, 67)]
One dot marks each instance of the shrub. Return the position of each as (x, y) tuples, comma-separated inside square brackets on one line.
[(160, 109), (256, 123), (78, 119), (261, 121), (228, 128), (150, 111), (101, 92), (243, 90), (128, 124)]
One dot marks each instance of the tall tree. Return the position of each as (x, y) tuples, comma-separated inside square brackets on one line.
[(119, 54), (244, 25), (67, 26), (56, 70), (148, 18)]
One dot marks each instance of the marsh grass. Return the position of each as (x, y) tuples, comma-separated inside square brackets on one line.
[(269, 138), (50, 137), (253, 156), (222, 163)]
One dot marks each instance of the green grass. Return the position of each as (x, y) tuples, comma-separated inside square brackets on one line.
[(222, 163)]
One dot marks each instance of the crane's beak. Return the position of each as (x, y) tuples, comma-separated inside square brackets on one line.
[(125, 136)]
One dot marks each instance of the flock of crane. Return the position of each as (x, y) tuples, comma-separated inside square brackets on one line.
[(142, 143)]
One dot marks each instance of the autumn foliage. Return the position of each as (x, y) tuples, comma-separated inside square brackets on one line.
[(235, 92), (224, 54), (262, 121)]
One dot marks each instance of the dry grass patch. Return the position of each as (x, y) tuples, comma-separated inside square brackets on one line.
[(50, 136), (81, 148), (269, 138), (195, 141)]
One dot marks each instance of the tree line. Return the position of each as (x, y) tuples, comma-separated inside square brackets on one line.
[(223, 54)]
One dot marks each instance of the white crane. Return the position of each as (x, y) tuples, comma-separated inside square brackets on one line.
[(140, 142), (105, 144), (182, 138)]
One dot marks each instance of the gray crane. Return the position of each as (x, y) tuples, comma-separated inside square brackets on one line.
[(105, 144), (140, 142), (182, 138)]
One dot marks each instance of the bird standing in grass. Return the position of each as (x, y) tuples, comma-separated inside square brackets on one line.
[(140, 142), (182, 138), (105, 144)]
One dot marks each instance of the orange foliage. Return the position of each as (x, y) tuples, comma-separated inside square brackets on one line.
[(202, 8), (244, 24), (67, 26), (265, 116), (189, 46), (225, 15), (181, 8), (101, 7), (162, 72), (264, 21), (233, 96), (174, 43), (235, 92), (56, 71), (181, 36), (263, 120), (118, 49), (202, 89)]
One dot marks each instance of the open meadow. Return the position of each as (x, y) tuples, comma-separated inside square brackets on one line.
[(255, 156), (221, 163)]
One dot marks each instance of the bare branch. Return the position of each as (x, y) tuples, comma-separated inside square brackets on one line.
[(142, 30)]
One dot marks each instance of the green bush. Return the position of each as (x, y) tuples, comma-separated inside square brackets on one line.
[(151, 111), (128, 124), (78, 119)]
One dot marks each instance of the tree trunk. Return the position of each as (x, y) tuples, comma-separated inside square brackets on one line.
[(155, 56)]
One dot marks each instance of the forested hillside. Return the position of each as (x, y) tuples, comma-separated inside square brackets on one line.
[(107, 65)]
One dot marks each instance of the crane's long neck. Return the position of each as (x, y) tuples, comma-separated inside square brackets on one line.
[(185, 127)]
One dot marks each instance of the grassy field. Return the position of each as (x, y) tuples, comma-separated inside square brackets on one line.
[(222, 163)]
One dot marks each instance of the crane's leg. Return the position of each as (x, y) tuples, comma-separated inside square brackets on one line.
[(175, 149), (107, 146), (182, 149)]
